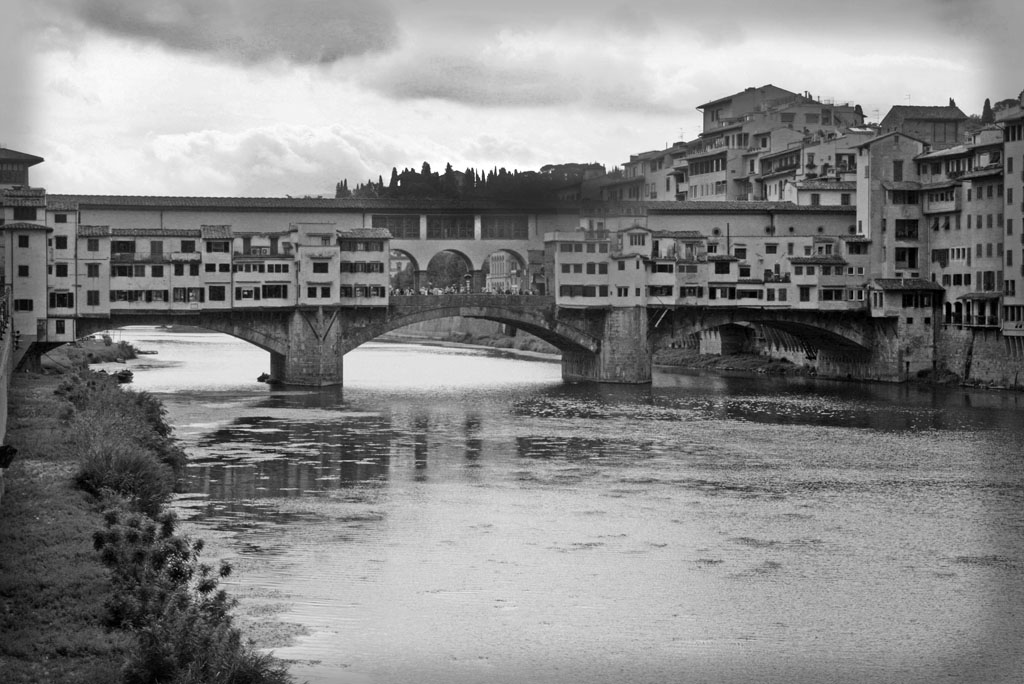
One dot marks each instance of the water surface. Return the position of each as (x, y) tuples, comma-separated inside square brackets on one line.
[(459, 516)]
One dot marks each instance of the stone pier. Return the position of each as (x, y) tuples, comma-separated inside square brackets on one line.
[(315, 351), (624, 356)]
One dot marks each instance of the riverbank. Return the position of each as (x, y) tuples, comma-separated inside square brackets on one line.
[(99, 586), (78, 355), (53, 586)]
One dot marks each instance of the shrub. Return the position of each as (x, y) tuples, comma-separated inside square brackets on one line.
[(122, 468), (173, 604)]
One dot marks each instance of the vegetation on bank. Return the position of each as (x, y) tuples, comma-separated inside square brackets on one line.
[(156, 613), (77, 356)]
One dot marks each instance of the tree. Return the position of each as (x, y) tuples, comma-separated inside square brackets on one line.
[(987, 116)]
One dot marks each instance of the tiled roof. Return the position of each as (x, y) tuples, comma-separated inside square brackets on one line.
[(818, 259), (897, 284), (855, 238), (946, 152), (93, 231), (942, 113), (56, 205), (901, 185), (735, 206), (156, 232), (375, 233), (306, 203), (980, 295), (815, 184), (215, 232), (25, 225), (990, 170), (15, 201), (684, 234), (14, 155)]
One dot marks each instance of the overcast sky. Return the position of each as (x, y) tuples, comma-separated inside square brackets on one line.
[(276, 97)]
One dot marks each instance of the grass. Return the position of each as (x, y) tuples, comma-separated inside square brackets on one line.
[(53, 586), (111, 597)]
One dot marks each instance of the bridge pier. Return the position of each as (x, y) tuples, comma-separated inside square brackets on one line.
[(315, 351), (625, 354)]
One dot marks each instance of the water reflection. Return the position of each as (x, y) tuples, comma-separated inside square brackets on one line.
[(456, 518)]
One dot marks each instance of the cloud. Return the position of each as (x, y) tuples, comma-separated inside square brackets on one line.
[(246, 31)]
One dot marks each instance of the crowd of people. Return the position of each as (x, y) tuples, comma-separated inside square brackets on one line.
[(454, 290)]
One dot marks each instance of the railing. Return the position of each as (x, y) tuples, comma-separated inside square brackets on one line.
[(982, 321), (137, 258)]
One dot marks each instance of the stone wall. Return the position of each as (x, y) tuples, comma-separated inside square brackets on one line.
[(979, 356), (6, 368)]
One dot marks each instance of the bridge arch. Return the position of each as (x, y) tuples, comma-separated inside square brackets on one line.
[(533, 314), (267, 330), (842, 333)]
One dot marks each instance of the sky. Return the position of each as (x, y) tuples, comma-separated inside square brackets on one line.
[(288, 97)]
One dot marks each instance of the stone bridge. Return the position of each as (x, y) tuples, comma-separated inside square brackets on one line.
[(604, 344)]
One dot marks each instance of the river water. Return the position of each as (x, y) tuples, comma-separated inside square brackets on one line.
[(456, 516)]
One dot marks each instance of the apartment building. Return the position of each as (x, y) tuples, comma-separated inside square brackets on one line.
[(1011, 120), (740, 129)]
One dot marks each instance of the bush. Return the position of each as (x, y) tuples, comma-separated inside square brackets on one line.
[(125, 470), (173, 604)]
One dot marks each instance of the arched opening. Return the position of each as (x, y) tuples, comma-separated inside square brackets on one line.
[(505, 272), (403, 270), (449, 272)]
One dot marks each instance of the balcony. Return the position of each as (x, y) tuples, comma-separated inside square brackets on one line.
[(261, 253), (941, 206), (981, 321), (138, 258), (185, 257)]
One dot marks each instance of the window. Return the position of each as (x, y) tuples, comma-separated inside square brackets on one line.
[(897, 169), (92, 245), (637, 239), (566, 268), (503, 227), (815, 199), (24, 213), (61, 270), (23, 241), (92, 297), (740, 252), (221, 246), (401, 226), (193, 269), (22, 304), (622, 265), (188, 245), (157, 271), (805, 293), (61, 300), (60, 242), (92, 270), (275, 291), (451, 227), (63, 218), (721, 267), (23, 271), (210, 268), (122, 246), (844, 199), (217, 293), (771, 248)]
